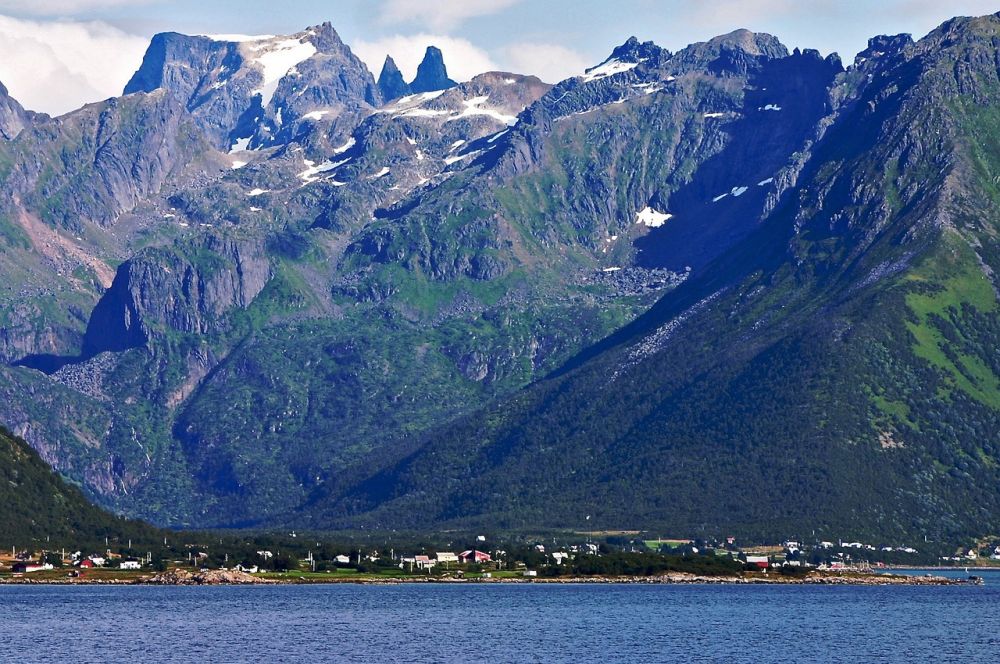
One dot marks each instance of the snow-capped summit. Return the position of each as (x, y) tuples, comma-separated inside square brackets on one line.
[(256, 87)]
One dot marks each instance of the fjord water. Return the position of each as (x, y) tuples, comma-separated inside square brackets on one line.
[(499, 623)]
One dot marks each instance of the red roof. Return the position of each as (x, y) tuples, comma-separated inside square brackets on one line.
[(475, 556)]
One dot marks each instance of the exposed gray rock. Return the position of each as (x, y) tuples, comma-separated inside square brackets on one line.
[(432, 75), (390, 81)]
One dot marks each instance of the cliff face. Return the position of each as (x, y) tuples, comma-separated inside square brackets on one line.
[(432, 75), (13, 117), (390, 82), (173, 289)]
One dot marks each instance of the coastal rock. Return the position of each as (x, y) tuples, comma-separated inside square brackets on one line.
[(212, 577)]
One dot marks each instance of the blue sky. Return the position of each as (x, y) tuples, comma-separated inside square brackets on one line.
[(58, 54)]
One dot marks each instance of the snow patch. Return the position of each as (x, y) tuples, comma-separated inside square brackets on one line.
[(474, 106), (771, 107), (312, 172), (715, 115), (609, 68), (422, 113), (451, 160), (240, 145), (277, 59), (652, 218), (256, 192), (739, 191), (316, 115), (764, 183), (237, 164), (346, 146), (381, 174), (239, 38), (611, 269)]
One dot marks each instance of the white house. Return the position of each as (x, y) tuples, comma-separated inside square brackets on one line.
[(560, 557), (129, 564), (446, 557), (342, 560)]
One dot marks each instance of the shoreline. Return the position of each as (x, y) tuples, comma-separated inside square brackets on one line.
[(223, 578)]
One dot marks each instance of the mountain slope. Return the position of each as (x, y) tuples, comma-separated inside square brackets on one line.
[(760, 286), (38, 506), (833, 371)]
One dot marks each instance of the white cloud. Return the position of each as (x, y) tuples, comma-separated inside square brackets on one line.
[(550, 62), (64, 7), (440, 15), (461, 57), (57, 66)]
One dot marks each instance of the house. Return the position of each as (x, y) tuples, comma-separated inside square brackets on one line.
[(98, 561), (87, 564), (474, 556), (560, 557), (129, 564), (266, 555), (342, 560), (424, 562), (529, 573), (28, 566), (249, 569), (760, 562), (446, 557)]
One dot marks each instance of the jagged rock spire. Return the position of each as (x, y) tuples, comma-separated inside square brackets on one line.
[(432, 74), (390, 81)]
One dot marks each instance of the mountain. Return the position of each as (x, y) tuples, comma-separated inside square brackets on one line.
[(833, 370), (733, 288), (432, 75), (40, 507), (391, 84)]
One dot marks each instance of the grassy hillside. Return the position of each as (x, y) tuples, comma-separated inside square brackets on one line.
[(38, 508)]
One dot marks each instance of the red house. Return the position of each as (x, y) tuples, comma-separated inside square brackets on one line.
[(87, 564), (473, 556)]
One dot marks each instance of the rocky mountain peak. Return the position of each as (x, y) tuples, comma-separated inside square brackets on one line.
[(884, 45), (13, 117), (635, 51), (390, 82), (735, 53), (256, 87), (432, 74)]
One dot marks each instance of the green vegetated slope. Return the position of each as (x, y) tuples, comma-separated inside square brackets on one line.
[(39, 509), (256, 368), (836, 371)]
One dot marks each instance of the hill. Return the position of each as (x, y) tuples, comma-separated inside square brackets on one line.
[(39, 509)]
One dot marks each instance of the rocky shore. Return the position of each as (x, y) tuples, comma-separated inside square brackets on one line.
[(232, 577), (214, 577)]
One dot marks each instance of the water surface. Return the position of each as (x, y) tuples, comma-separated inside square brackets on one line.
[(499, 623)]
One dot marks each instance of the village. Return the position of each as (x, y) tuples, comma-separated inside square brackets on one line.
[(618, 554)]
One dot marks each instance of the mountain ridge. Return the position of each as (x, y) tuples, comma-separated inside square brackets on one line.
[(336, 308)]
